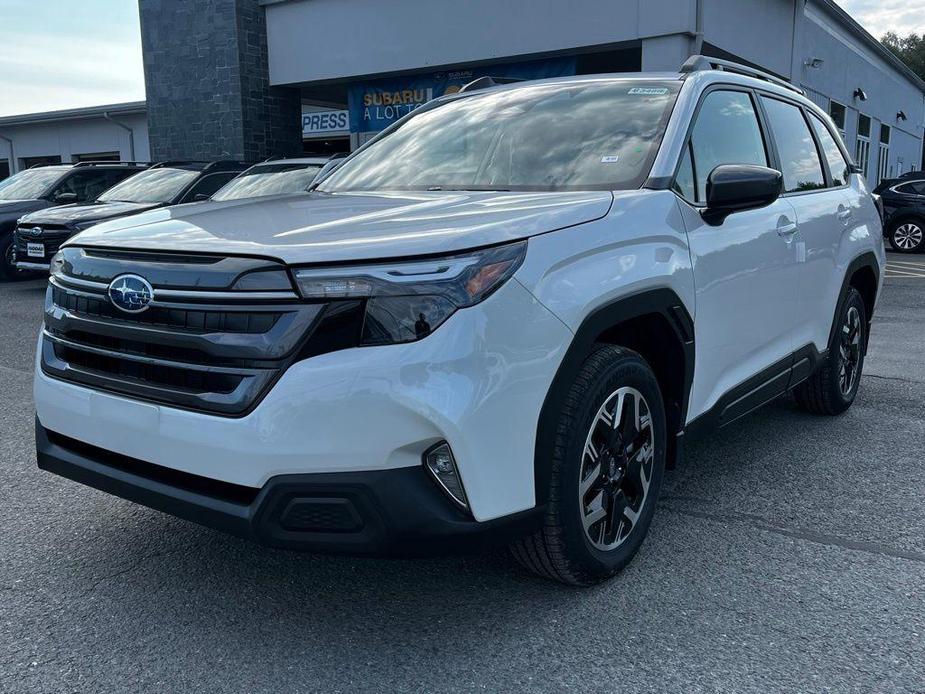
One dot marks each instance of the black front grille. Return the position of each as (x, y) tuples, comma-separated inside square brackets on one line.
[(216, 351), (58, 228), (160, 375), (139, 348), (202, 344), (218, 321), (51, 242)]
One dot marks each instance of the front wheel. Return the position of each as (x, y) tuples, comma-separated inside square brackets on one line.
[(8, 271), (907, 236), (607, 467), (833, 388)]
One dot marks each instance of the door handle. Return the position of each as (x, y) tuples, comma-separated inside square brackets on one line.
[(786, 230)]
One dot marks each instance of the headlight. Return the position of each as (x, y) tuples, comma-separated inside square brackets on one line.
[(406, 301)]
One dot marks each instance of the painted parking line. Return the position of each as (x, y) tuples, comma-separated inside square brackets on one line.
[(903, 268), (905, 272), (900, 268)]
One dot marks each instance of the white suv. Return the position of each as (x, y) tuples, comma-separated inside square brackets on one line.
[(499, 320)]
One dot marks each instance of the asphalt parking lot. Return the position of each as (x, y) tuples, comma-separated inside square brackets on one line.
[(788, 555)]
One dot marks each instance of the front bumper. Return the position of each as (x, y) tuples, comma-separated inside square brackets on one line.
[(478, 382), (382, 512), (51, 242), (23, 265)]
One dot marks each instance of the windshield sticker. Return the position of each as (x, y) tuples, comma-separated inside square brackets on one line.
[(610, 159), (648, 91)]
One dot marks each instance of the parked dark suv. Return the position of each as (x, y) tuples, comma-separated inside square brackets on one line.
[(904, 212), (45, 186), (39, 234)]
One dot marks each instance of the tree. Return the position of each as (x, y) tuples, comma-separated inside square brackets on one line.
[(910, 49)]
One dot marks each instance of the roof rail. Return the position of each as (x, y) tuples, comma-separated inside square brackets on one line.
[(111, 163), (486, 82), (175, 162), (699, 63), (227, 165), (47, 163)]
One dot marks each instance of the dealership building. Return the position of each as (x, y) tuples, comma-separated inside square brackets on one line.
[(249, 79)]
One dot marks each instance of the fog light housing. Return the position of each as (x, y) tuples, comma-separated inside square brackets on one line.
[(441, 464)]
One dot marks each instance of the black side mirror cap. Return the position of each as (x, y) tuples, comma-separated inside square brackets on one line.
[(735, 188)]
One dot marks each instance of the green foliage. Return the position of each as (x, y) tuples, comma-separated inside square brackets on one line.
[(910, 49)]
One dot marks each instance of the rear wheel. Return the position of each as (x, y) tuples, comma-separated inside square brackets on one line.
[(608, 463), (833, 388), (908, 236)]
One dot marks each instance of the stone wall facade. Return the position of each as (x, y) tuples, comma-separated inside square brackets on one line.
[(208, 87)]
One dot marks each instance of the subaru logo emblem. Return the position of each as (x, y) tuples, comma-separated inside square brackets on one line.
[(36, 231), (131, 293)]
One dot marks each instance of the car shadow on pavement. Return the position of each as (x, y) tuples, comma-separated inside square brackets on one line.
[(328, 621), (151, 552), (141, 555)]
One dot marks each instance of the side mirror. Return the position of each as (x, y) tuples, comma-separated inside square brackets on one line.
[(735, 188), (65, 198)]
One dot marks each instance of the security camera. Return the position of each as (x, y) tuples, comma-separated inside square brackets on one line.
[(814, 63), (860, 94)]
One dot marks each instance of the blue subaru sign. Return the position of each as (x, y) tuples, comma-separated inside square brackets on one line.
[(131, 293), (376, 105)]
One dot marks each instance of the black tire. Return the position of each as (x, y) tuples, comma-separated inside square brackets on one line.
[(824, 393), (562, 550), (8, 271), (907, 235)]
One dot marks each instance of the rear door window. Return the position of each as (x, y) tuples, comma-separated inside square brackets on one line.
[(799, 158), (914, 188), (838, 166)]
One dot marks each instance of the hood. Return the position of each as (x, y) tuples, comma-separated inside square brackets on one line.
[(325, 227), (69, 214), (11, 210)]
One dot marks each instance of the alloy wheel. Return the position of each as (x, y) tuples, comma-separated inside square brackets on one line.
[(616, 468), (908, 236), (849, 351)]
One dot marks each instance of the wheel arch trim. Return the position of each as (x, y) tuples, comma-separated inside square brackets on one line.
[(866, 260), (662, 302)]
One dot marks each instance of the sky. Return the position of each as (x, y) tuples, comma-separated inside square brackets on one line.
[(881, 16), (58, 54)]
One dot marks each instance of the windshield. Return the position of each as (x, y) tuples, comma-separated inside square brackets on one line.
[(153, 185), (269, 179), (30, 184), (597, 134)]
